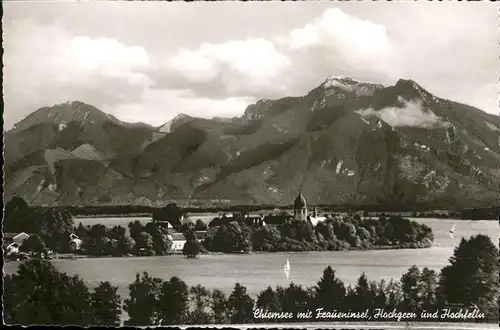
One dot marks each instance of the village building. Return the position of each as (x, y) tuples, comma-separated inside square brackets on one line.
[(300, 208), (75, 242), (13, 241), (300, 211), (178, 241), (316, 217)]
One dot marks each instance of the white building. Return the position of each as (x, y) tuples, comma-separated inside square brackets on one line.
[(315, 218), (75, 242), (12, 248), (20, 238), (17, 240), (178, 241)]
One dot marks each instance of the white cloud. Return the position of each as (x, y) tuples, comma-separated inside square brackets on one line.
[(289, 64), (44, 65), (107, 56), (411, 114), (240, 64), (225, 62), (337, 29)]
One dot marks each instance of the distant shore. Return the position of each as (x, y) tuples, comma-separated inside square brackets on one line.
[(125, 215)]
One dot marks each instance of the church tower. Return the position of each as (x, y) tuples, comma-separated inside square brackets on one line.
[(300, 208)]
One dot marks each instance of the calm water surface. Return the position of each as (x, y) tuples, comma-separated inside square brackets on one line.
[(257, 271)]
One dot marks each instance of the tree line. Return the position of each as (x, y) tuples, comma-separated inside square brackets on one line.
[(39, 294), (53, 227), (333, 234)]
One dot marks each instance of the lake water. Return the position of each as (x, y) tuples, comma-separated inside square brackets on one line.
[(257, 271)]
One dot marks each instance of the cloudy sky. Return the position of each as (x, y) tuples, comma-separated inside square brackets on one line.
[(149, 61)]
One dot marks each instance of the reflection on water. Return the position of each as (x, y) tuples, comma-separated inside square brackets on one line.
[(258, 270)]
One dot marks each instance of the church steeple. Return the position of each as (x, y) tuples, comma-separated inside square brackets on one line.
[(300, 207)]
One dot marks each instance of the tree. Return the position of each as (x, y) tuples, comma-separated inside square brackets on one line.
[(364, 296), (228, 238), (135, 228), (54, 227), (240, 305), (201, 300), (40, 294), (106, 305), (294, 298), (268, 300), (161, 242), (428, 287), (95, 242), (17, 216), (142, 304), (471, 278), (81, 230), (394, 294), (220, 307), (170, 213), (330, 291), (265, 239), (191, 248), (200, 225), (325, 229), (173, 302), (125, 246), (410, 282), (35, 245), (144, 244)]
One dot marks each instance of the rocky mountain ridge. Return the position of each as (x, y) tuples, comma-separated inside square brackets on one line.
[(345, 142)]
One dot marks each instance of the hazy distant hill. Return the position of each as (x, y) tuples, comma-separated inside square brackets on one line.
[(345, 142)]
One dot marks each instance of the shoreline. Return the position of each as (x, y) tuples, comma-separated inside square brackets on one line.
[(75, 257)]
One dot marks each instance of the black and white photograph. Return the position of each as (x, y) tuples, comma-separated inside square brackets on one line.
[(259, 164)]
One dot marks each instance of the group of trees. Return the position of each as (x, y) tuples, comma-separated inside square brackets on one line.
[(150, 239), (154, 301), (52, 226), (145, 240), (333, 234), (39, 294)]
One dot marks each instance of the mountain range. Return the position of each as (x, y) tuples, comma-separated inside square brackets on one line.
[(345, 142)]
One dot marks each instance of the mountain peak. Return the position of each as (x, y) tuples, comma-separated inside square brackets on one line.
[(64, 113), (168, 127), (412, 89), (348, 84), (338, 81)]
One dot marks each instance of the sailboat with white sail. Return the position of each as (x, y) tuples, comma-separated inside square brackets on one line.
[(286, 268), (452, 231)]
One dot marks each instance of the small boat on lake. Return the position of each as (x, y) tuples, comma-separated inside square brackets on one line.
[(452, 231), (286, 268)]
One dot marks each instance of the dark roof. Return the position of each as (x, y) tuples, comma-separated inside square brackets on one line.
[(300, 202), (220, 221), (276, 219)]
